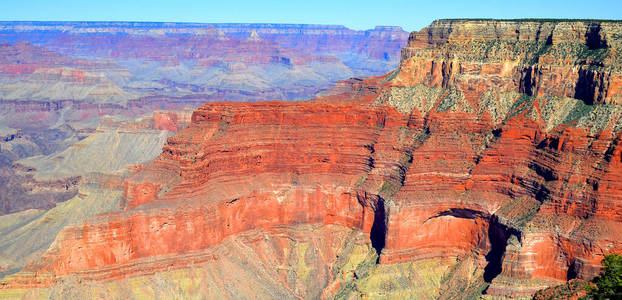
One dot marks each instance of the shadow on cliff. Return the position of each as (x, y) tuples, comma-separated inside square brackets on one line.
[(378, 231), (498, 235)]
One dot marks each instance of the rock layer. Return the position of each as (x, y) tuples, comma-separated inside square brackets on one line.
[(478, 164), (563, 59)]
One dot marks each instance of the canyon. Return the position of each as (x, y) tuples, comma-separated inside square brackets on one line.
[(487, 164), (60, 81), (112, 62)]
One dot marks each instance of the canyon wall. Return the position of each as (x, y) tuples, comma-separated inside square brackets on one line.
[(60, 81), (488, 164), (578, 60)]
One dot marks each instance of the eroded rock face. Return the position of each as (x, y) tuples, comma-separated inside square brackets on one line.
[(477, 169), (563, 59)]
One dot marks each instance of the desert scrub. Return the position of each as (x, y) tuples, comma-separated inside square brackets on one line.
[(518, 212), (555, 111), (579, 111), (496, 51), (420, 96), (498, 105), (393, 75), (579, 53), (388, 190), (454, 101), (422, 136), (599, 117), (360, 182), (522, 103)]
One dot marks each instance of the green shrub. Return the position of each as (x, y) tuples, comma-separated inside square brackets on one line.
[(609, 282)]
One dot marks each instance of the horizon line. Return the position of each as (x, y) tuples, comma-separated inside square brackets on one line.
[(201, 23)]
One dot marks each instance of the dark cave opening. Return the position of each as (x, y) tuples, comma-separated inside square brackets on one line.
[(378, 231), (498, 235)]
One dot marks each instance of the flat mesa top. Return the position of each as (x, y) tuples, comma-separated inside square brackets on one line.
[(537, 20)]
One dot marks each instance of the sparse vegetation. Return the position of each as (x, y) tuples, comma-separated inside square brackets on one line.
[(567, 290), (360, 182), (450, 100), (578, 53), (420, 96), (392, 75), (578, 111), (523, 103), (519, 211), (388, 190)]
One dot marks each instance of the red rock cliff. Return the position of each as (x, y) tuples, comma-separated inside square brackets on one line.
[(476, 147)]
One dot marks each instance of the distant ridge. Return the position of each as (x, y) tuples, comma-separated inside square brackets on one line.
[(170, 24)]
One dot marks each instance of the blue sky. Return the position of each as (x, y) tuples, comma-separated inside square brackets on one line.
[(362, 14)]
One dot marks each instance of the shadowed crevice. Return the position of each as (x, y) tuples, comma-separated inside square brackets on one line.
[(379, 229), (498, 235), (593, 37)]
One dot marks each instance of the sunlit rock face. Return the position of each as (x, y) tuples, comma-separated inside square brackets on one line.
[(563, 59), (83, 103), (486, 164)]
